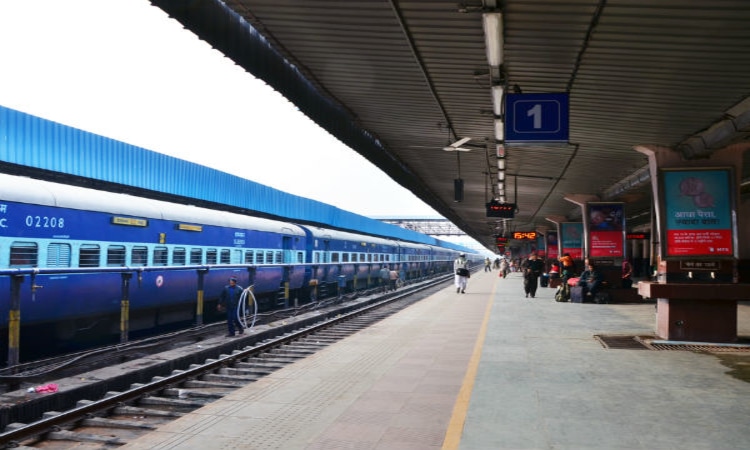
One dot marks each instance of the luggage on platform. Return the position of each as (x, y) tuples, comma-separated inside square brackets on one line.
[(576, 294), (544, 280), (562, 294)]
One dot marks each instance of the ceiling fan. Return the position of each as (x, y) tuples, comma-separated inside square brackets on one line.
[(456, 146)]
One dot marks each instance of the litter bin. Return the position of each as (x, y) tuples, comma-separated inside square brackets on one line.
[(544, 280)]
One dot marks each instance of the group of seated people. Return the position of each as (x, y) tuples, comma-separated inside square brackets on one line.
[(590, 279)]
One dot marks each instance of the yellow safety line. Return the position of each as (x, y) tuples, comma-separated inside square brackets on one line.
[(461, 407)]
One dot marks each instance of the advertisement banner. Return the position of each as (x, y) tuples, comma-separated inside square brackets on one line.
[(551, 238), (606, 225), (572, 239), (698, 212)]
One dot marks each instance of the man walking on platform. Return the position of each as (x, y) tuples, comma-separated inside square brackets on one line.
[(461, 271), (532, 269)]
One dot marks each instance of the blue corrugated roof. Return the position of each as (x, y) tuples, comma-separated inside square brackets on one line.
[(32, 141)]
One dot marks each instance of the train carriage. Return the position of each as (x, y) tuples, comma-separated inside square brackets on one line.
[(59, 227), (72, 257)]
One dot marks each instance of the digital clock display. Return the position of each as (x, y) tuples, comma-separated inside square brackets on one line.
[(524, 235)]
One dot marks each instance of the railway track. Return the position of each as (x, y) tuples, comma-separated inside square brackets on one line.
[(118, 417)]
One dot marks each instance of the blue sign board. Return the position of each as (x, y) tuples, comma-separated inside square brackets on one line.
[(536, 118)]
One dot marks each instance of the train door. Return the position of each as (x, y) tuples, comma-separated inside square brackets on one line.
[(286, 245)]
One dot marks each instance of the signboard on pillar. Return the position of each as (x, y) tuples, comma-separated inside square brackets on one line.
[(606, 229), (536, 118), (697, 212), (572, 239)]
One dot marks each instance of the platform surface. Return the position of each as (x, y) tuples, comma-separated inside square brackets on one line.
[(489, 369)]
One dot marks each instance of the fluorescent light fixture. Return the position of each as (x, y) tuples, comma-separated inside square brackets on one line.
[(499, 130), (497, 100), (501, 175), (493, 37), (500, 151), (501, 198), (501, 186), (501, 163)]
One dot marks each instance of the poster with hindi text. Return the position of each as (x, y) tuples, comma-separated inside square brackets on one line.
[(697, 212)]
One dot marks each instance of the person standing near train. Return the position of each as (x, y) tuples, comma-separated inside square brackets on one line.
[(385, 276), (461, 271), (228, 301)]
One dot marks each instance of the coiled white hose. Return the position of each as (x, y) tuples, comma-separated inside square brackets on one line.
[(241, 318)]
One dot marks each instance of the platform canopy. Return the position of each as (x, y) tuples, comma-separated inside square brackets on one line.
[(421, 88)]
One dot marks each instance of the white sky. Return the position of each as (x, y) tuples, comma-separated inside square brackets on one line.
[(124, 70)]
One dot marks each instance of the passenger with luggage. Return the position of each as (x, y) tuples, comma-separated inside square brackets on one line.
[(591, 281), (461, 271), (532, 269), (504, 268)]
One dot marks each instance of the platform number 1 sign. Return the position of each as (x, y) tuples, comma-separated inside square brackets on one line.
[(536, 118)]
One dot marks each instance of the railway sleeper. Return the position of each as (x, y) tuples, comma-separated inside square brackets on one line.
[(200, 384), (139, 412), (228, 378), (192, 393), (172, 402), (257, 372), (261, 364), (118, 423), (288, 352), (277, 360), (66, 435), (308, 345), (330, 337)]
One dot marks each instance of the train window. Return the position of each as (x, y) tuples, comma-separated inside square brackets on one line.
[(139, 256), (316, 257), (224, 256), (179, 256), (116, 256), (334, 257), (345, 257), (248, 256), (196, 256), (361, 257), (369, 257), (161, 256), (58, 255), (24, 254), (300, 257), (88, 255), (279, 257), (269, 257), (211, 256), (259, 258)]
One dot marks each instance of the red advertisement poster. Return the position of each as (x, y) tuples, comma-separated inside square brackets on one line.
[(552, 252), (698, 212), (606, 229)]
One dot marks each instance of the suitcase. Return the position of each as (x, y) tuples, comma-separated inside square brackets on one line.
[(544, 280), (555, 282), (576, 294)]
